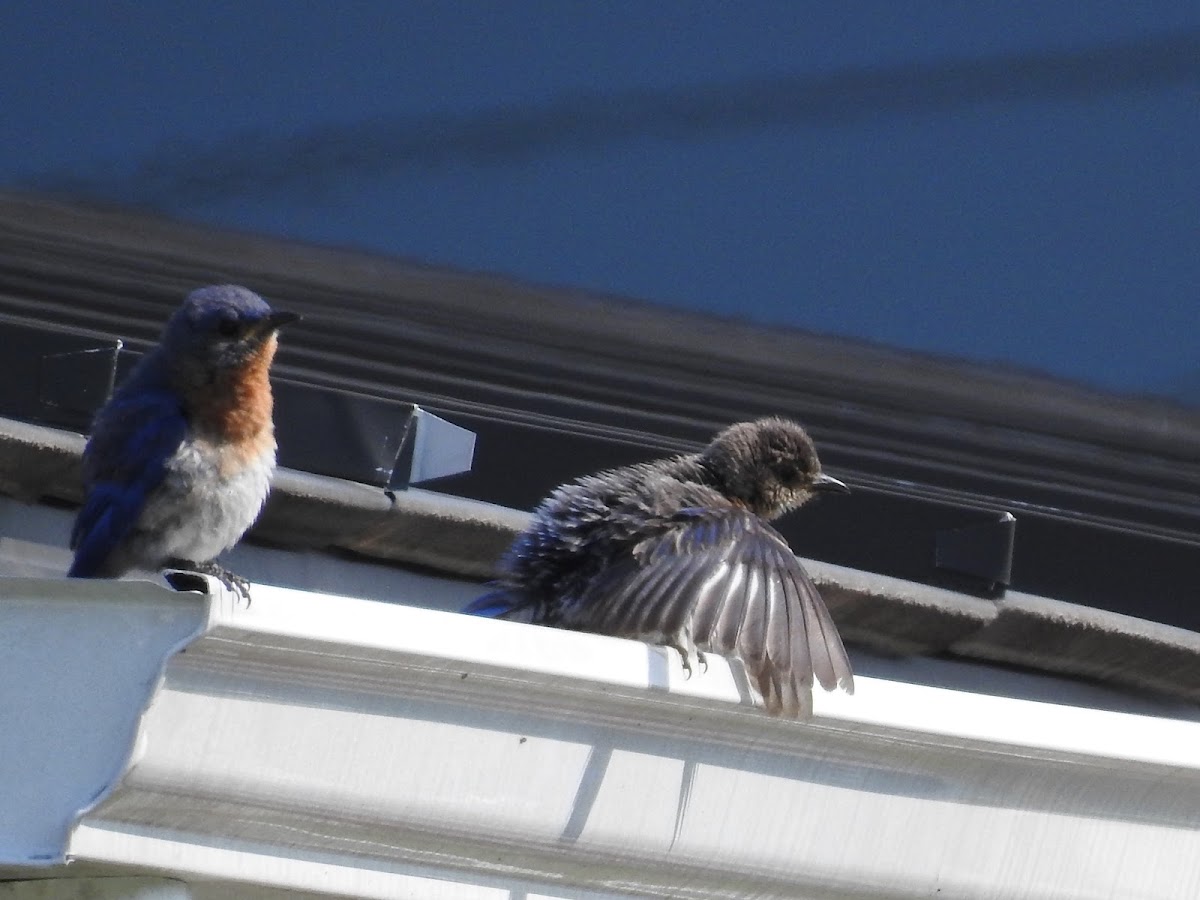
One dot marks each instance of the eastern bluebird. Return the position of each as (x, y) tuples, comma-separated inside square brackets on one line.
[(678, 552), (181, 457)]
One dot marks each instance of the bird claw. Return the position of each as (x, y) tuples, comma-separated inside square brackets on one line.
[(238, 585), (687, 653), (234, 582)]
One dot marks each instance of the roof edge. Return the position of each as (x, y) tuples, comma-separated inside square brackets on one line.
[(412, 738)]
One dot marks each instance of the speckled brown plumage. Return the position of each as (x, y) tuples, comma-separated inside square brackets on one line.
[(679, 552)]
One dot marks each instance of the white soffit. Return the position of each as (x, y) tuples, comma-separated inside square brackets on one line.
[(366, 749)]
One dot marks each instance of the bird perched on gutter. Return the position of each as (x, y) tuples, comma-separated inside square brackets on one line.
[(679, 552), (181, 457)]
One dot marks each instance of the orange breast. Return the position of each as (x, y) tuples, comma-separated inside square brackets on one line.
[(235, 412)]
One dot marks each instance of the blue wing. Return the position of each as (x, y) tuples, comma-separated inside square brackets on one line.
[(728, 579), (124, 462)]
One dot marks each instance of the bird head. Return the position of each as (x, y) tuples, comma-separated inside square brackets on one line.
[(221, 327), (770, 465)]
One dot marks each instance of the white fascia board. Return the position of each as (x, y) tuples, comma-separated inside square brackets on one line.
[(361, 748)]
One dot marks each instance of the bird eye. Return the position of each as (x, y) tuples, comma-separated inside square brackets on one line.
[(227, 326)]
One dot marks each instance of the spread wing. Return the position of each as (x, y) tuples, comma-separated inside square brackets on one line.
[(124, 462), (728, 579)]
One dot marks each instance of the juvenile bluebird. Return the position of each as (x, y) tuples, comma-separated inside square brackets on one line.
[(679, 552), (180, 459)]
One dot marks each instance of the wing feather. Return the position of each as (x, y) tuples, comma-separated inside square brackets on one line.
[(124, 462), (613, 603), (730, 581), (730, 618), (674, 614), (829, 662), (780, 622)]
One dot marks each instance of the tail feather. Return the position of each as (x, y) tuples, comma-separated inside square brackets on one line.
[(500, 604)]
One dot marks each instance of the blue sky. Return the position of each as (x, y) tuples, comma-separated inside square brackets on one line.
[(1011, 182)]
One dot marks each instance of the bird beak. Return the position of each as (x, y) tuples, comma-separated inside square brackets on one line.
[(268, 325), (279, 319), (825, 482)]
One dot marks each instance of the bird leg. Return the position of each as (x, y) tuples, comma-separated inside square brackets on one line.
[(234, 582)]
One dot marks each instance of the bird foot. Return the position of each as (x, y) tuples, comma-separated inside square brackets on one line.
[(234, 582), (689, 656)]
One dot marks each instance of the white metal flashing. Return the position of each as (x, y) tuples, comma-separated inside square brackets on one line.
[(79, 662), (359, 748)]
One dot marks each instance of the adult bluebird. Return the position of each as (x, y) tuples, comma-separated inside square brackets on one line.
[(180, 460), (679, 552)]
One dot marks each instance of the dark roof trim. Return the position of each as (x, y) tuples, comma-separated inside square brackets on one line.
[(150, 262)]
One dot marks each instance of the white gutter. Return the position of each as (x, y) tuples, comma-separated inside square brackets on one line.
[(366, 749)]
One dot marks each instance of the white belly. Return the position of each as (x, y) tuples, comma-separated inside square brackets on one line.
[(204, 505)]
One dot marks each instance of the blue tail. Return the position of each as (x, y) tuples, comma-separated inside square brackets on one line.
[(495, 605)]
